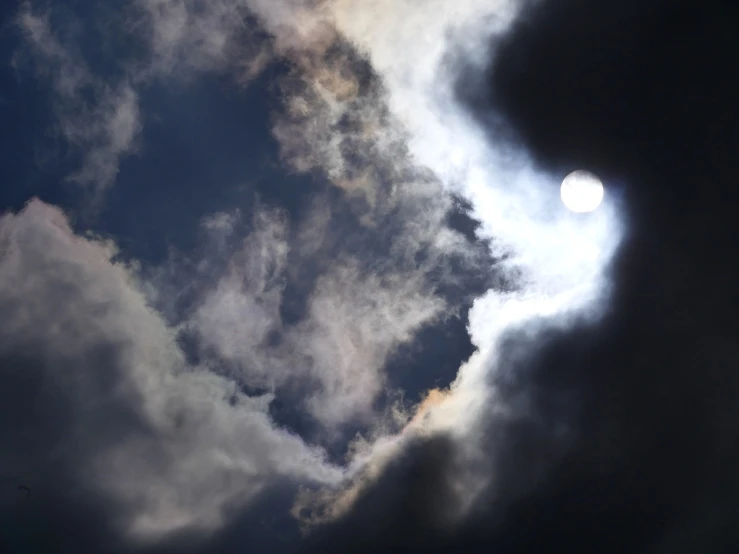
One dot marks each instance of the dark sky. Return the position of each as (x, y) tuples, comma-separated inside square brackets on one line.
[(641, 93)]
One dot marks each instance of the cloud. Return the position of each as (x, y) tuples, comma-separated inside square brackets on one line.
[(620, 418), (97, 390), (185, 37), (97, 117), (354, 320), (98, 113), (399, 107), (237, 315), (383, 128), (387, 137)]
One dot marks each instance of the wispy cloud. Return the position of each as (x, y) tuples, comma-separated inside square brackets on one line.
[(354, 320), (99, 115), (100, 119)]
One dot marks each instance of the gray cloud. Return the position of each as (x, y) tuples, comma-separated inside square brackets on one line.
[(108, 396)]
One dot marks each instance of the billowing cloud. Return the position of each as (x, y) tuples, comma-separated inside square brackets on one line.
[(98, 381)]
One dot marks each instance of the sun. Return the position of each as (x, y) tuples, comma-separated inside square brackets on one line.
[(581, 191)]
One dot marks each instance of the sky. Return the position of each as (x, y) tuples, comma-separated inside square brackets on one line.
[(294, 276)]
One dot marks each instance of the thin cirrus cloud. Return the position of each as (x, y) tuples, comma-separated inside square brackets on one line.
[(103, 130)]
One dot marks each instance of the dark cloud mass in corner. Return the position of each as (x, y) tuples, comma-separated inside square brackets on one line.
[(275, 278)]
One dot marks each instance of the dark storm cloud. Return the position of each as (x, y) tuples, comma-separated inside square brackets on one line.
[(643, 94)]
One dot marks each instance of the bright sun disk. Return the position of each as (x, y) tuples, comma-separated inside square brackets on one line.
[(581, 191)]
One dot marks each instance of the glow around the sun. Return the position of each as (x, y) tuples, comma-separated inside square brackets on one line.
[(582, 191)]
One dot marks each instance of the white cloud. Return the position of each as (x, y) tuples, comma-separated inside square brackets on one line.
[(99, 115), (236, 315), (354, 321), (103, 128), (176, 445), (561, 258), (106, 133)]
